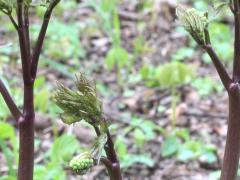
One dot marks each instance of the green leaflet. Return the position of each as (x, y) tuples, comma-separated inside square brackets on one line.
[(194, 22)]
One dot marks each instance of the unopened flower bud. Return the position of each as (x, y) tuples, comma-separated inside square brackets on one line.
[(81, 163)]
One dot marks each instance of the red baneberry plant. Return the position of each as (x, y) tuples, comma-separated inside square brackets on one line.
[(80, 104), (196, 23), (29, 59)]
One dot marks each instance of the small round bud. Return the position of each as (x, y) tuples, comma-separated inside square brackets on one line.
[(81, 163)]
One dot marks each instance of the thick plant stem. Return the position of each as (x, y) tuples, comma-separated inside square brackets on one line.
[(111, 162), (26, 128), (114, 172), (232, 148)]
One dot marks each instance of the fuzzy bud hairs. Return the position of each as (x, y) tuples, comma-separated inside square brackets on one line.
[(79, 104), (195, 23)]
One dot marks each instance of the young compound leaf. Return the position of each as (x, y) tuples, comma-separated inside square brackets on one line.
[(63, 148), (79, 104), (195, 23), (220, 7)]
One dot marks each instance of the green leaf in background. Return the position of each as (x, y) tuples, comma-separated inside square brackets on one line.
[(131, 159), (139, 137), (150, 75), (120, 147), (209, 157), (52, 171), (189, 150), (117, 57), (7, 131), (174, 74), (183, 54), (39, 82), (182, 133), (63, 148), (8, 178), (170, 146), (221, 39), (63, 43), (206, 85), (4, 113), (41, 100)]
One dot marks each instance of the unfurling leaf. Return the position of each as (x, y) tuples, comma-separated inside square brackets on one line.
[(81, 163), (79, 104), (98, 147), (195, 23), (6, 6)]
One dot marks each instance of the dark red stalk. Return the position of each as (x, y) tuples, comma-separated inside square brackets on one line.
[(225, 78), (26, 128), (236, 63), (111, 162), (9, 101), (115, 171), (41, 36), (25, 124), (29, 65), (232, 148), (29, 69)]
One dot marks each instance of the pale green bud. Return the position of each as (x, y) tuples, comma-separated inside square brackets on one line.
[(81, 163)]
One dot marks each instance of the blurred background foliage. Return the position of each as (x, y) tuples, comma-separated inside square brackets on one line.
[(145, 68)]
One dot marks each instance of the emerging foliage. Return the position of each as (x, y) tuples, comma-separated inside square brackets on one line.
[(195, 23), (98, 147), (6, 6), (78, 104)]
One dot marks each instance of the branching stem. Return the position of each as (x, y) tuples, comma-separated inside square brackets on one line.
[(223, 74), (41, 36), (9, 101)]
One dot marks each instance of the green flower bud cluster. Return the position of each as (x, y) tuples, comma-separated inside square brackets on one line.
[(79, 104), (194, 22), (81, 163)]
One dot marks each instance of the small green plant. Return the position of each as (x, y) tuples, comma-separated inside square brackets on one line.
[(8, 139), (83, 104), (57, 158), (142, 132), (171, 76), (205, 86), (117, 57), (179, 144), (62, 44)]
